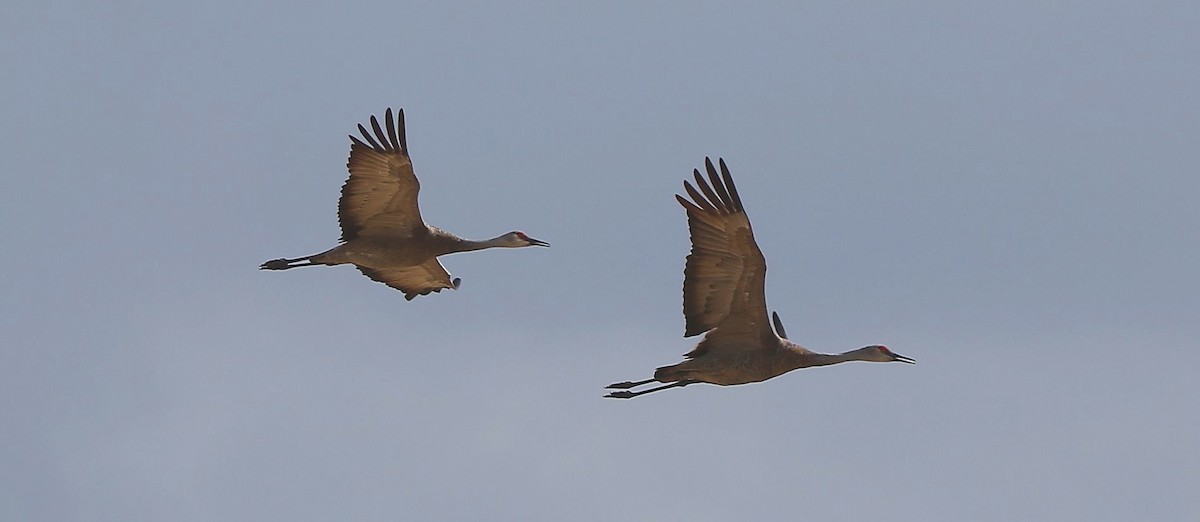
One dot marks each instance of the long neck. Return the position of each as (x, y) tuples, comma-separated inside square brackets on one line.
[(457, 244), (468, 245), (802, 358), (826, 359)]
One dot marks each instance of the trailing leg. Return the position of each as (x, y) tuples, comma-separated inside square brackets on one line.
[(284, 264), (626, 394), (627, 384)]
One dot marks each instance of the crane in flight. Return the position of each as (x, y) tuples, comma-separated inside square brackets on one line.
[(383, 234), (723, 294)]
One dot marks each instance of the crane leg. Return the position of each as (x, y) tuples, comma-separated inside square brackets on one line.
[(627, 384), (626, 394)]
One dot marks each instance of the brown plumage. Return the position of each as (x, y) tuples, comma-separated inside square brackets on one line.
[(724, 294), (382, 230)]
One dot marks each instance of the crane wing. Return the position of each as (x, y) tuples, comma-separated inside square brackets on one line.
[(778, 325), (429, 276), (380, 197), (725, 273)]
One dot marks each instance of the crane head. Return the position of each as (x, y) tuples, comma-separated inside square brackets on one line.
[(881, 353), (518, 239)]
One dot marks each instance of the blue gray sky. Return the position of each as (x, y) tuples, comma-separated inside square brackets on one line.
[(1005, 191)]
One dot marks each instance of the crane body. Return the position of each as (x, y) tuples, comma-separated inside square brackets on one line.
[(383, 234), (724, 297)]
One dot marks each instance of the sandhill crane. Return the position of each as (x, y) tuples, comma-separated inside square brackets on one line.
[(382, 230), (723, 294)]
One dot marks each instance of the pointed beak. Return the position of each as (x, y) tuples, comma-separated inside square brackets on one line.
[(538, 242), (903, 359)]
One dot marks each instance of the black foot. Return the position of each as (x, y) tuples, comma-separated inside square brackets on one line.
[(275, 264), (622, 385), (621, 395)]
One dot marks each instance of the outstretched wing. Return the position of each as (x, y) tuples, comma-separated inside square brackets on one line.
[(725, 274), (413, 280), (380, 197)]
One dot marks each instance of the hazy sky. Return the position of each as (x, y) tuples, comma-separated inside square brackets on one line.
[(1005, 191)]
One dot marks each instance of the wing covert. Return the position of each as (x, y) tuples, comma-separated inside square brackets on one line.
[(421, 279)]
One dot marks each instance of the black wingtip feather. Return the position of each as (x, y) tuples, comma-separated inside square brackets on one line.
[(379, 132), (400, 125), (737, 200), (778, 325), (394, 140), (700, 201), (719, 186), (367, 136), (391, 130), (687, 205), (714, 200)]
